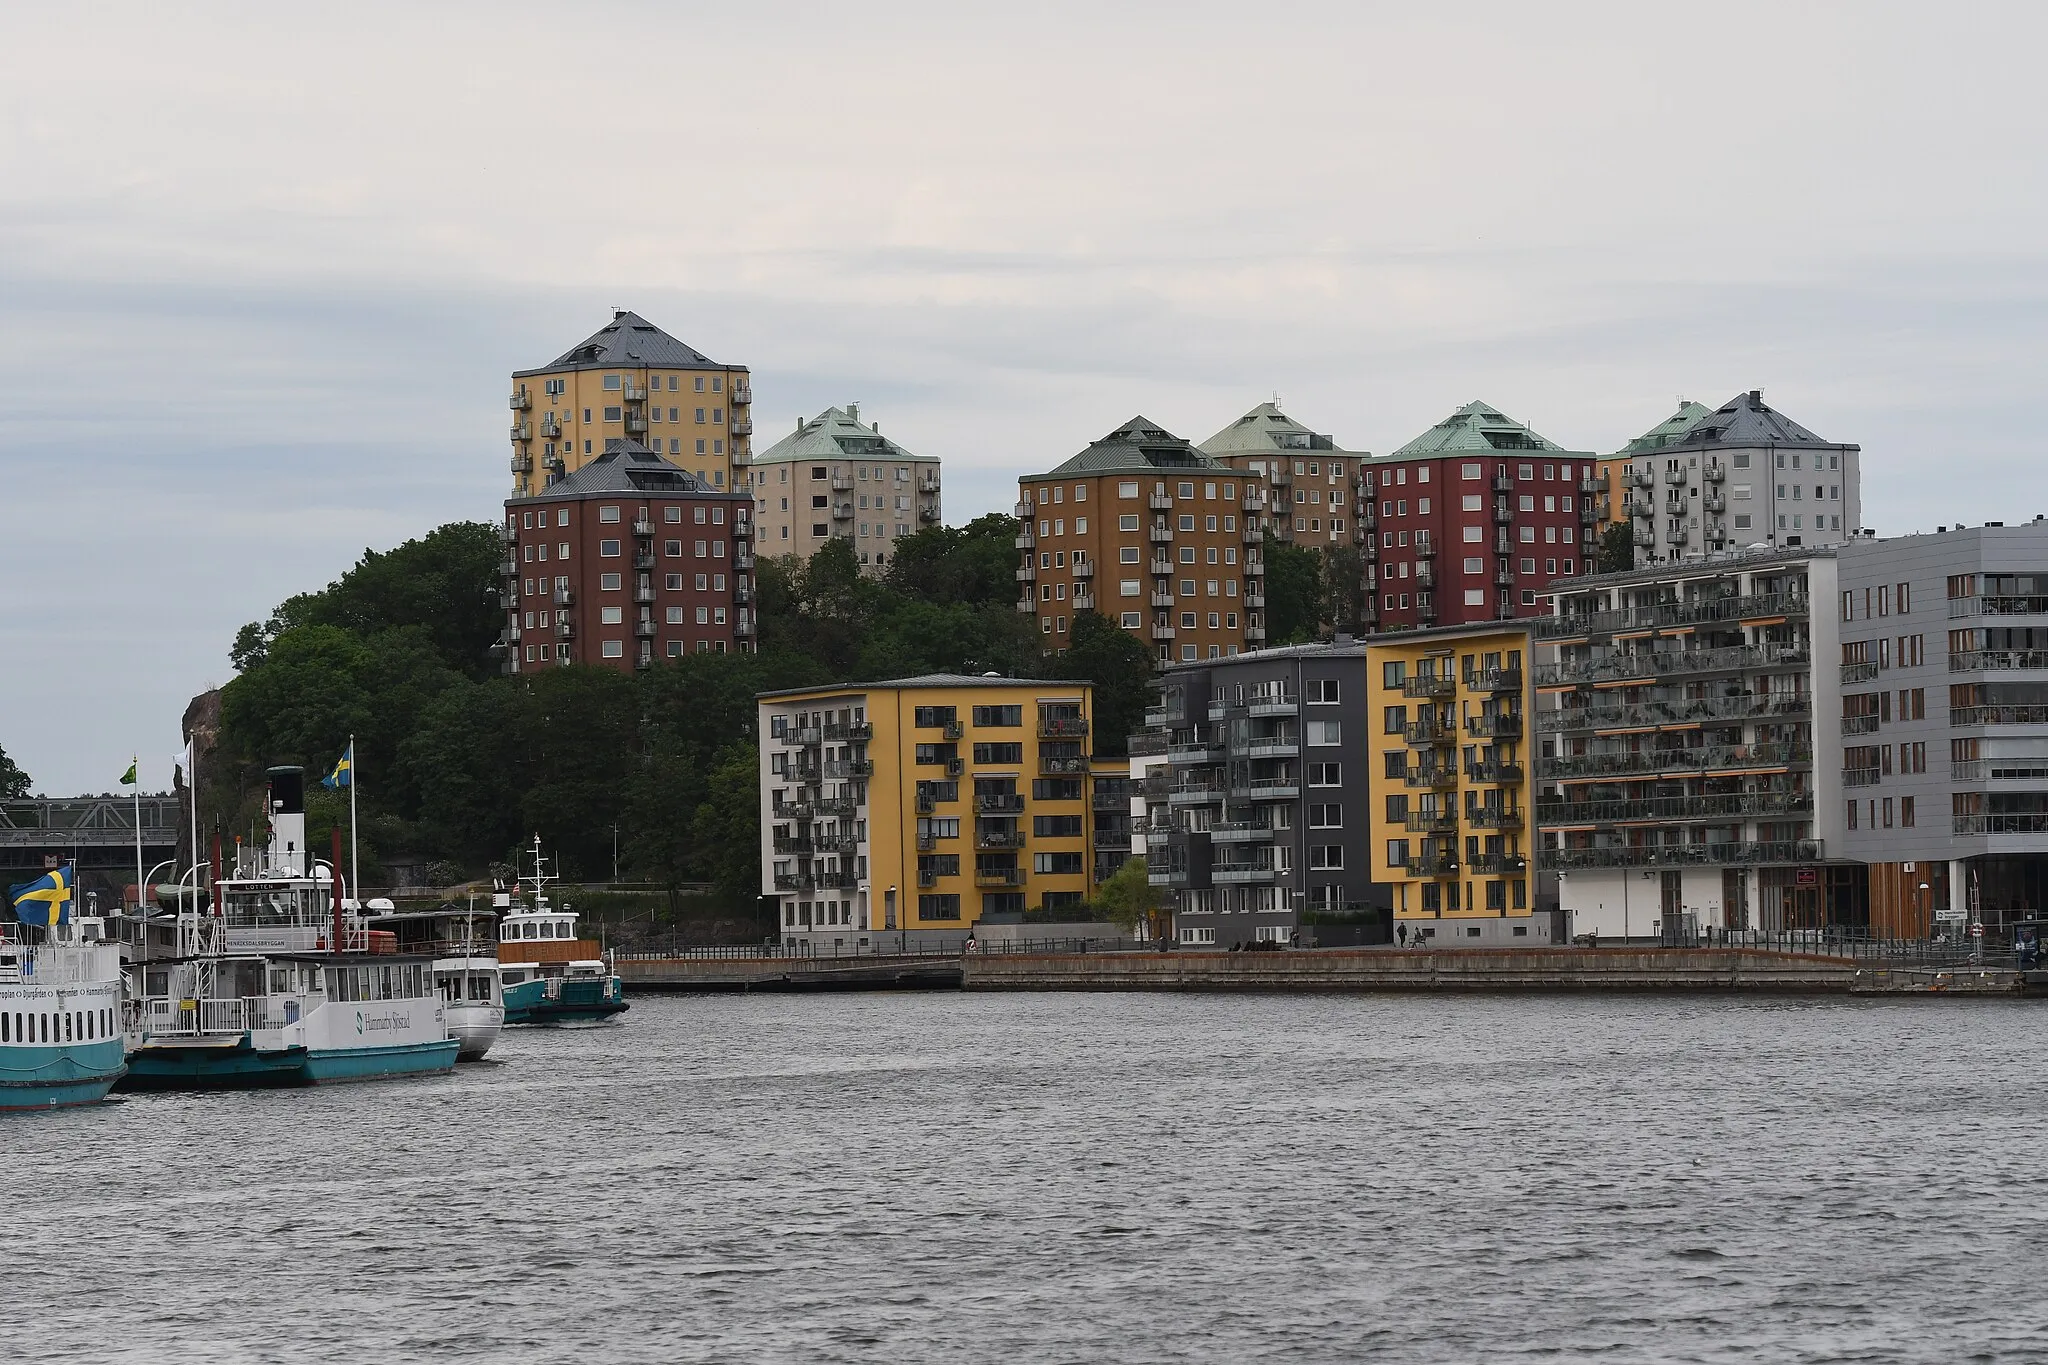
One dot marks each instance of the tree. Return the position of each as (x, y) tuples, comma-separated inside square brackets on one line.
[(1294, 581), (1617, 548), (1128, 898), (14, 783), (1118, 664), (1345, 598)]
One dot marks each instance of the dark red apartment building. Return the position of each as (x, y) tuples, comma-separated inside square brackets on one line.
[(1469, 521), (626, 561)]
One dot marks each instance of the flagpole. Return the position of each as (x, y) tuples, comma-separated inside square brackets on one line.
[(137, 768), (355, 887), (192, 778)]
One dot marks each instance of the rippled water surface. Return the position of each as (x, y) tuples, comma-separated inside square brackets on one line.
[(1077, 1178)]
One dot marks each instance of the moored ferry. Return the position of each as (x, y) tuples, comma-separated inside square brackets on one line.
[(464, 946), (550, 975), (60, 1002), (277, 982)]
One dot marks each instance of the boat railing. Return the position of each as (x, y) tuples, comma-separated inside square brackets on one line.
[(172, 1017)]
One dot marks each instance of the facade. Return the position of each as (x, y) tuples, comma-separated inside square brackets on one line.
[(1308, 481), (1448, 711), (908, 812), (1152, 533), (1475, 517), (631, 381), (1677, 776), (625, 561), (835, 478), (1260, 822), (1944, 725), (1614, 475), (1741, 476)]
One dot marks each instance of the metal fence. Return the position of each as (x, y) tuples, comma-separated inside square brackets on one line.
[(881, 946)]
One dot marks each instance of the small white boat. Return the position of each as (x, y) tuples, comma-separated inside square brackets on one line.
[(464, 945)]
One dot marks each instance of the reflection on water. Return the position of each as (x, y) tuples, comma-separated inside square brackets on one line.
[(1078, 1177)]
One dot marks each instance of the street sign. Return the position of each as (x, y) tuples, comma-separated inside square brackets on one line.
[(1806, 876), (1949, 914)]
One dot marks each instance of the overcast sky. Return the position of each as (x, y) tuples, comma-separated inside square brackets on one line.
[(264, 271)]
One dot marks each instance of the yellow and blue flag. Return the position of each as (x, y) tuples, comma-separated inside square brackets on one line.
[(46, 901), (344, 770)]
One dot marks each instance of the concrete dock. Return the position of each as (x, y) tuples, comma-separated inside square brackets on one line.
[(1330, 969)]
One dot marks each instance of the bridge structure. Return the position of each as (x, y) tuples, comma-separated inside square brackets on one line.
[(96, 832)]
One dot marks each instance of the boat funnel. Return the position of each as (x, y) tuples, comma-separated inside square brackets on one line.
[(287, 853)]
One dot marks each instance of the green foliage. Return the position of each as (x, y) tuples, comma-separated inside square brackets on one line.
[(1128, 898), (1117, 662), (1345, 598), (14, 783), (1617, 548), (1294, 591)]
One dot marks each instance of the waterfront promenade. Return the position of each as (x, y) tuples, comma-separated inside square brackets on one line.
[(1631, 969)]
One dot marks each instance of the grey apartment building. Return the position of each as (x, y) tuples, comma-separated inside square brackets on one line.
[(1944, 724), (1259, 823), (1740, 476)]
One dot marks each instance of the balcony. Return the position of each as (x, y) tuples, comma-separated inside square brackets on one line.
[(1254, 500), (1425, 548), (742, 557), (1270, 705), (1159, 502), (1425, 576), (1438, 686), (1083, 601), (793, 810), (635, 423), (1027, 604), (1639, 507), (1689, 760), (522, 431), (564, 630), (1495, 680), (1196, 753), (1256, 601), (999, 804), (1160, 533), (795, 881), (1254, 566), (1162, 600), (1493, 817), (1973, 661), (1500, 725), (1432, 822), (1027, 538), (1272, 746), (550, 426), (1859, 725), (1160, 632), (1265, 789), (1254, 633), (842, 511), (1240, 874), (742, 393), (1054, 766), (1434, 777), (1655, 664), (953, 729), (1503, 514), (999, 876), (1241, 832), (1252, 534), (1162, 568), (1084, 568), (1027, 573), (1194, 794), (858, 731), (521, 401), (928, 484), (1498, 865), (1996, 715), (1503, 483), (1714, 472), (1434, 864), (1062, 727), (642, 527), (742, 529), (1726, 854), (565, 597), (1716, 504), (1430, 733), (741, 426), (643, 561), (842, 483), (644, 629)]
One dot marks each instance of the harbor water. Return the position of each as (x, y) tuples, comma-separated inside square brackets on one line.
[(945, 1177)]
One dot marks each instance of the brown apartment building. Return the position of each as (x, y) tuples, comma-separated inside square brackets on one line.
[(626, 561), (1469, 521), (1152, 533), (631, 381), (1309, 482)]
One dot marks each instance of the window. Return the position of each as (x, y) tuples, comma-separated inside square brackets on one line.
[(609, 549), (1002, 752), (611, 616), (1322, 692), (1326, 857), (1329, 816), (1394, 720), (1326, 774), (1127, 521), (1128, 587), (1131, 620), (999, 715), (610, 582), (1056, 826), (614, 649), (608, 515), (1056, 864), (1325, 733), (1127, 490)]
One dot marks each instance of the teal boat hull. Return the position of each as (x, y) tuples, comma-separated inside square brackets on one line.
[(241, 1067), (576, 1000), (58, 1076)]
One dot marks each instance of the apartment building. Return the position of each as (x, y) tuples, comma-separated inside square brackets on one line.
[(906, 812), (1307, 479), (1742, 475), (1259, 825), (625, 561), (1944, 725), (1474, 518), (631, 381), (1677, 779), (1613, 474), (1448, 710), (1152, 533), (835, 477)]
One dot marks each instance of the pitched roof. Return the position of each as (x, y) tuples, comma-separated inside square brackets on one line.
[(629, 467), (1266, 429), (629, 341), (1666, 431), (1138, 446), (1744, 420), (1476, 427), (835, 434)]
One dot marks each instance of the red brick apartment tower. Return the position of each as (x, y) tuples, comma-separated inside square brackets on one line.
[(625, 561)]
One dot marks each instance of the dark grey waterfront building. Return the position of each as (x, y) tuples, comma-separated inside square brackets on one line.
[(1259, 825)]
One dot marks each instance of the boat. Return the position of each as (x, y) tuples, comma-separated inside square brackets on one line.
[(464, 946), (550, 975), (61, 1013), (276, 982)]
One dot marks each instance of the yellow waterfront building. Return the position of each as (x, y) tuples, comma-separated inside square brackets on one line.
[(1447, 724), (917, 808)]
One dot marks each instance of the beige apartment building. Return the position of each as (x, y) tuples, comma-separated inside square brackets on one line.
[(836, 478), (1152, 533), (1306, 477), (631, 381)]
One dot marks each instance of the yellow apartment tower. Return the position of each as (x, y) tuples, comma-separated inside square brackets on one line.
[(631, 381), (902, 813), (1448, 714)]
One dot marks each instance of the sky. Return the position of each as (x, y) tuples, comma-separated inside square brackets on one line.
[(265, 270)]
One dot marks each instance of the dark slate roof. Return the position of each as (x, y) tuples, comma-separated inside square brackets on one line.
[(629, 341), (1138, 446), (1744, 421), (628, 467)]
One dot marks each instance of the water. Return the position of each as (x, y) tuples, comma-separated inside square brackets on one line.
[(892, 1178)]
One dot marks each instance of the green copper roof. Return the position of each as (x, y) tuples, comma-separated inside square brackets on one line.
[(1476, 427), (1666, 431), (1266, 430), (1138, 446)]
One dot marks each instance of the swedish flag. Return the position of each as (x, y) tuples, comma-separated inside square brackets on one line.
[(344, 769), (46, 901)]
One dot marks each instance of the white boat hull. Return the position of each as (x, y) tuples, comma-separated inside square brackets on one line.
[(474, 1027)]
